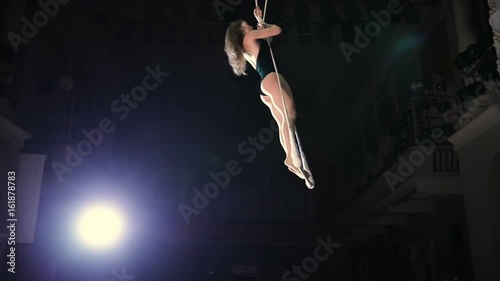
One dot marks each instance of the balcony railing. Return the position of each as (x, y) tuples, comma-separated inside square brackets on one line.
[(445, 159)]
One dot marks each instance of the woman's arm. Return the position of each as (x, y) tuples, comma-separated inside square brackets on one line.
[(262, 26), (270, 30), (265, 30)]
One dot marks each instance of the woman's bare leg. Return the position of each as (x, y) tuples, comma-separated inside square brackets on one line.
[(271, 88), (292, 116), (283, 139), (279, 120)]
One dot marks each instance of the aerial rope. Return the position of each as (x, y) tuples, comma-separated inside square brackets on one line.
[(294, 137)]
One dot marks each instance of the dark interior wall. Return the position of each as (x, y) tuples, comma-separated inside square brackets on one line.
[(495, 197)]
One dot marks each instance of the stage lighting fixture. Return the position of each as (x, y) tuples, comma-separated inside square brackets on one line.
[(432, 84), (440, 87), (473, 90), (100, 226), (469, 56), (418, 87), (488, 70)]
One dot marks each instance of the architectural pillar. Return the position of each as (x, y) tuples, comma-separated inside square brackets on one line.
[(466, 34), (477, 144)]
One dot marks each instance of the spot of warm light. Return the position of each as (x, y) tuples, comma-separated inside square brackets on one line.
[(100, 226)]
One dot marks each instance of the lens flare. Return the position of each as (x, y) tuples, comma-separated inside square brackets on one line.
[(100, 226)]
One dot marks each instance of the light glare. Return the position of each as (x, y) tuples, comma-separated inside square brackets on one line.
[(100, 226)]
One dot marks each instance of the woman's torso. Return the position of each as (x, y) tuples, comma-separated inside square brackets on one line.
[(251, 51), (258, 55)]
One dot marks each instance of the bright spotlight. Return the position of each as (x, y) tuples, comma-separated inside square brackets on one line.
[(100, 226)]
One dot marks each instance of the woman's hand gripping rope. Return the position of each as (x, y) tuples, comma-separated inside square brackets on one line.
[(257, 12)]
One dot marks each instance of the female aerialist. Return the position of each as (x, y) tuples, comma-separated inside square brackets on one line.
[(244, 44)]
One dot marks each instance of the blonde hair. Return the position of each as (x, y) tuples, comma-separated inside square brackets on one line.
[(234, 48)]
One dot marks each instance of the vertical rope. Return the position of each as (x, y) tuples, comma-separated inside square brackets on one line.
[(265, 9), (279, 80), (295, 138)]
